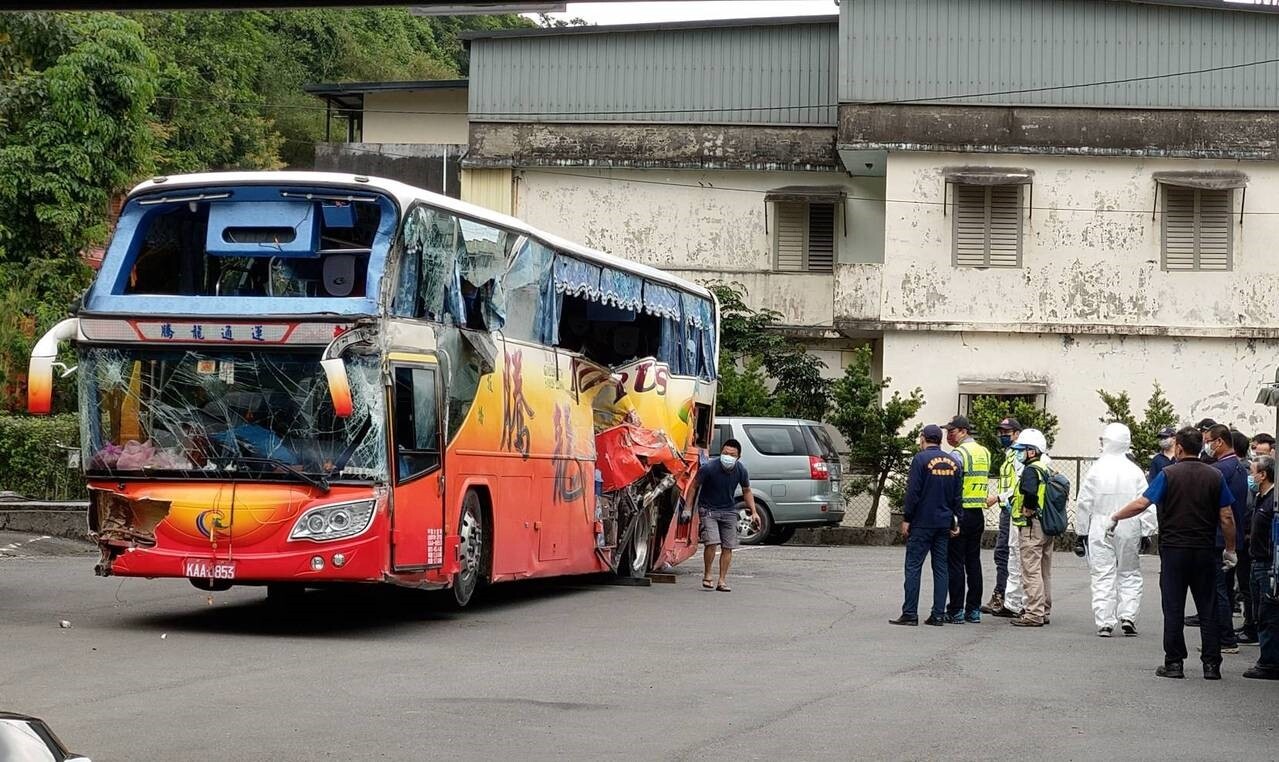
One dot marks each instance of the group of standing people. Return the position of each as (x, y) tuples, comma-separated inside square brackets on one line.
[(1209, 495), (947, 494)]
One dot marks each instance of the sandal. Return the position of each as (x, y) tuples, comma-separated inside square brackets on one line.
[(707, 584), (723, 588)]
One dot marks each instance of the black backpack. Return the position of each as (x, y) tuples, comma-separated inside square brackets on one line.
[(1053, 516)]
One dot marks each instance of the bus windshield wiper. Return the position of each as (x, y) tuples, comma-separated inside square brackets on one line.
[(320, 483)]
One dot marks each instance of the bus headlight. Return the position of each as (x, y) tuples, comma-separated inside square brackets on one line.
[(334, 522)]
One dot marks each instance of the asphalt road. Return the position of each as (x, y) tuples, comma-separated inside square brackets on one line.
[(797, 662)]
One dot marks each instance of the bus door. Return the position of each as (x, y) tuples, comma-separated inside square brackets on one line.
[(417, 458)]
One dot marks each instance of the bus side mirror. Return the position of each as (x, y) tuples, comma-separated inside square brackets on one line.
[(40, 369), (339, 386)]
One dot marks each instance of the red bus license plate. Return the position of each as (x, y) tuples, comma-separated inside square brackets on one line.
[(204, 568)]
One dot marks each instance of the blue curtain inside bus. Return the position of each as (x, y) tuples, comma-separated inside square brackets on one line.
[(621, 289)]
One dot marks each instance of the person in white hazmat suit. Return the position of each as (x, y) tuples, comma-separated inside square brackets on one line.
[(1111, 483)]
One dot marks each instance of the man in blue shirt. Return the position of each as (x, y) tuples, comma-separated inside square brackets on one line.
[(714, 492), (930, 518), (1163, 458), (1219, 442), (1193, 500)]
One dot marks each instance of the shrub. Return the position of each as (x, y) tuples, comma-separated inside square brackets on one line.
[(33, 461)]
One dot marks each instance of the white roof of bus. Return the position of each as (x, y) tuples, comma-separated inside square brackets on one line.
[(405, 194)]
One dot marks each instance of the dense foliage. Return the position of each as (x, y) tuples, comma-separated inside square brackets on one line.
[(33, 457)]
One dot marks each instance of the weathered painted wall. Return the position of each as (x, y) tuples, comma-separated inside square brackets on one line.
[(429, 116), (1091, 259), (707, 226), (1203, 377)]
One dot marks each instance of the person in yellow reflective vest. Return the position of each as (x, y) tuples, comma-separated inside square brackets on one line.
[(964, 553), (1035, 546), (1006, 600)]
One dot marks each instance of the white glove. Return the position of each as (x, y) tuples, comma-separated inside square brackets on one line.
[(1110, 529), (1229, 559)]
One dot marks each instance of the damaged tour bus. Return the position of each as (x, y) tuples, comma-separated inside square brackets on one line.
[(290, 379)]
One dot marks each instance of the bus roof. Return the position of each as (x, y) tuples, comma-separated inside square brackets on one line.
[(406, 194)]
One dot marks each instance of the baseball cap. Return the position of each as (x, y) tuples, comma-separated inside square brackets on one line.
[(1205, 424), (959, 422), (1166, 432), (932, 433), (1009, 424)]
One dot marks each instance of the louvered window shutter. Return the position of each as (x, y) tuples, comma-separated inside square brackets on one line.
[(987, 225), (791, 224), (821, 238), (1198, 234)]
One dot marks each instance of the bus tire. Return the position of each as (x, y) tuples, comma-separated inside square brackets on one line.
[(473, 549), (637, 554)]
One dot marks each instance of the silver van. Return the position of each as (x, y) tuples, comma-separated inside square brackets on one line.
[(794, 471)]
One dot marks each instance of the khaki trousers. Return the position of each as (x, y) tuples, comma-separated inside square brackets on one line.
[(1036, 570)]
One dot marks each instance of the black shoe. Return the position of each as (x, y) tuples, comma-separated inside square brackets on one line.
[(1212, 671), (1247, 638), (907, 621), (1192, 621), (1258, 673), (1128, 627), (1172, 670), (934, 621)]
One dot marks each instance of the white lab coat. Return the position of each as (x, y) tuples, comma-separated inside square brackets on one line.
[(1111, 483)]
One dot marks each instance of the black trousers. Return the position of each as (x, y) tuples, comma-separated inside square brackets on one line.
[(1192, 570), (1243, 580), (964, 557)]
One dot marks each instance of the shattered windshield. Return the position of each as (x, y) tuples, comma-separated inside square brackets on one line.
[(204, 414)]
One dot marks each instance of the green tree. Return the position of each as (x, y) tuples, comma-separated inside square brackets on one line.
[(749, 339), (75, 98), (986, 412), (872, 427), (1159, 413)]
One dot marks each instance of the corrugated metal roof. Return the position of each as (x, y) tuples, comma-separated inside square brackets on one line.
[(1087, 53), (740, 73)]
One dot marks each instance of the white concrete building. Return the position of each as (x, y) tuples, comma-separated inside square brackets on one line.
[(1017, 204)]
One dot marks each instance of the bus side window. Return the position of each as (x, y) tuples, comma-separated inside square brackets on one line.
[(417, 423)]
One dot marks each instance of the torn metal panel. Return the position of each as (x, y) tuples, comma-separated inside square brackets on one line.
[(119, 522)]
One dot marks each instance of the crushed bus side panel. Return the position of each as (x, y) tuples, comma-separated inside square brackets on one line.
[(118, 523)]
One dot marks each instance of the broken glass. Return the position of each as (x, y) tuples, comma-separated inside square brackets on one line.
[(206, 414)]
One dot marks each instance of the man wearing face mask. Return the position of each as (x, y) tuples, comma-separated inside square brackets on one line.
[(1114, 561), (1219, 443), (1007, 599), (1262, 482), (1163, 458), (1205, 454), (715, 490)]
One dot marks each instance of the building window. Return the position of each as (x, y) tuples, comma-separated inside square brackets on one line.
[(987, 225), (1197, 229), (804, 238)]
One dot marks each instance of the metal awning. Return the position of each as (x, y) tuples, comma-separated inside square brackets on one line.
[(1209, 180), (816, 194), (1002, 388), (988, 175)]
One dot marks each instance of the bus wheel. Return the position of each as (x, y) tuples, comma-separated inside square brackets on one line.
[(472, 548), (636, 555)]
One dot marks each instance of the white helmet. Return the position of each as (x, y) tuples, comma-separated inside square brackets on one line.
[(1032, 438)]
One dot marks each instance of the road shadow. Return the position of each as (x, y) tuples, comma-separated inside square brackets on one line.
[(357, 609)]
